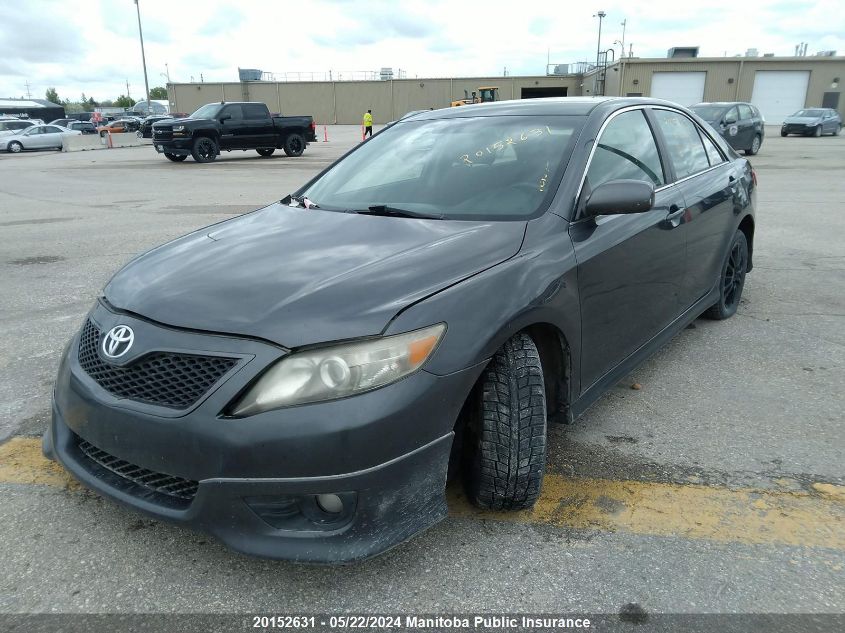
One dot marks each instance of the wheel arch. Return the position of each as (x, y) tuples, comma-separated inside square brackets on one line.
[(747, 227)]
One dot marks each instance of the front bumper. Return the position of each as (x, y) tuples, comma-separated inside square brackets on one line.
[(385, 453), (173, 145)]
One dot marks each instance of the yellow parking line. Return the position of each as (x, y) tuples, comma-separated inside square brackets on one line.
[(801, 518), (691, 511), (21, 462)]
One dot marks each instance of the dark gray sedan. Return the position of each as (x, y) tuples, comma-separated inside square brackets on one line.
[(812, 122), (299, 381)]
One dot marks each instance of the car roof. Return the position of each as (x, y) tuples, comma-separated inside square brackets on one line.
[(724, 104), (573, 106)]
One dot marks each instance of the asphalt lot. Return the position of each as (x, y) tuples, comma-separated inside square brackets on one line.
[(718, 486)]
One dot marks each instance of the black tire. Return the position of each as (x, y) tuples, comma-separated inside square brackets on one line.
[(176, 158), (505, 438), (731, 279), (14, 147), (818, 131), (204, 149), (755, 146), (837, 130), (266, 151), (294, 144), (782, 133)]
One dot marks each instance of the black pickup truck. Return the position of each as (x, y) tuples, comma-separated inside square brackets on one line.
[(231, 126)]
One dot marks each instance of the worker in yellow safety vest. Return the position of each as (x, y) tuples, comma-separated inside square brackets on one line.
[(368, 123)]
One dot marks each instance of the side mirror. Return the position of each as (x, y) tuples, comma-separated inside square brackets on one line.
[(225, 117), (730, 119), (620, 196)]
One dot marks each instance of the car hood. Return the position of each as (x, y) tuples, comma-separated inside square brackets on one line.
[(298, 277), (183, 120), (802, 120)]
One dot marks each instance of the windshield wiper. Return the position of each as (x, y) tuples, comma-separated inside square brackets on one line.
[(386, 210)]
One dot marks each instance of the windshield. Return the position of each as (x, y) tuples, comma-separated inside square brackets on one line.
[(815, 114), (709, 112), (492, 167), (208, 111)]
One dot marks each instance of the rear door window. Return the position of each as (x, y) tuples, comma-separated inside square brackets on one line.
[(683, 142), (626, 150), (713, 154), (254, 111)]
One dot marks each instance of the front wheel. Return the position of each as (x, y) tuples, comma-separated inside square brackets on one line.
[(755, 146), (15, 147), (818, 131), (837, 130), (265, 151), (732, 279), (506, 430), (782, 133), (204, 150), (176, 158), (294, 144)]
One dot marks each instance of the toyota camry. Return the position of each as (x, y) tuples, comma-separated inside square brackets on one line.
[(300, 381)]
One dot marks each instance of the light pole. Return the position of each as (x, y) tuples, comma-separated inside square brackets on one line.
[(624, 24), (143, 57), (600, 15)]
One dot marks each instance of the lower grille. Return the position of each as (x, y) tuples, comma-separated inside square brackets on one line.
[(165, 484), (166, 379)]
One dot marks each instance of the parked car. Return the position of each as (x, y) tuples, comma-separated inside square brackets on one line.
[(62, 122), (812, 122), (232, 126), (36, 137), (86, 127), (297, 381), (146, 129), (11, 126), (119, 126), (741, 124)]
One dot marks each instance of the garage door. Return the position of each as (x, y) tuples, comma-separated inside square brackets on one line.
[(779, 93), (684, 88)]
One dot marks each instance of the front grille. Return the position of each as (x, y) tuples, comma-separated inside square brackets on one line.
[(166, 379), (163, 133), (165, 484)]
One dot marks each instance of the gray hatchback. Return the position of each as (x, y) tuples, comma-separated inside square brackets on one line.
[(740, 124)]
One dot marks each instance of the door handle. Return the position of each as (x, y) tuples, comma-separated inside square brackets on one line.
[(676, 212)]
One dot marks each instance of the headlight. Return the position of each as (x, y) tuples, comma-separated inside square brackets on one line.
[(178, 128), (340, 370)]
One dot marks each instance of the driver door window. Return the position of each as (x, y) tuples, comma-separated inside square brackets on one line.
[(626, 150)]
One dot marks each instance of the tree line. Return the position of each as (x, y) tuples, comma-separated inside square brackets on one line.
[(87, 104)]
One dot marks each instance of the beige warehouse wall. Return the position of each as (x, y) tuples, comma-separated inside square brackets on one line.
[(344, 102), (732, 79)]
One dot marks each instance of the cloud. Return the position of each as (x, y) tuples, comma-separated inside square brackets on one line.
[(35, 32), (224, 20)]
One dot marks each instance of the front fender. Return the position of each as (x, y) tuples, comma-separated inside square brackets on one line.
[(536, 286)]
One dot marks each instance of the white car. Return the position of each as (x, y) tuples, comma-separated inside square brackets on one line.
[(36, 137)]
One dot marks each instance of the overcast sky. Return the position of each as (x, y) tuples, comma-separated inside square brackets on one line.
[(92, 46)]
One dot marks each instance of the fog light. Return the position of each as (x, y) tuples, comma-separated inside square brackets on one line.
[(331, 504)]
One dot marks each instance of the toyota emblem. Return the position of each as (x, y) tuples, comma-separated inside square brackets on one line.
[(118, 341)]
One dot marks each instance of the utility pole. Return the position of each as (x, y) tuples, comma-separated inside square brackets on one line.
[(167, 68), (127, 87), (143, 57), (28, 93)]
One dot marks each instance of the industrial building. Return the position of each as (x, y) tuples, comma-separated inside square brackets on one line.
[(778, 86)]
